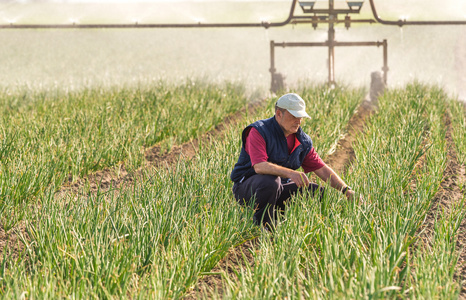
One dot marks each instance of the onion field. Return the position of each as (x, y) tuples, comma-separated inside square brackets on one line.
[(176, 231), (48, 138)]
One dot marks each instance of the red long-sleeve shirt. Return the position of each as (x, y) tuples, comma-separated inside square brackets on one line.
[(256, 148)]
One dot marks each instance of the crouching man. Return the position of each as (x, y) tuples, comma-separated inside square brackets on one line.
[(273, 149)]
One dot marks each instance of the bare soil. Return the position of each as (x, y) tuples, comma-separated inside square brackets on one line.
[(240, 257), (13, 240), (461, 243), (451, 194), (344, 154)]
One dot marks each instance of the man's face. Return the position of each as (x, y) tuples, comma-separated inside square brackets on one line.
[(287, 122)]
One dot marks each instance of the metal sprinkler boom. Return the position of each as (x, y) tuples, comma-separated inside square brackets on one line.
[(328, 15), (311, 15)]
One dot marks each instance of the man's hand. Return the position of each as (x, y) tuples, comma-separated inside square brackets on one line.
[(351, 196), (328, 175), (300, 179)]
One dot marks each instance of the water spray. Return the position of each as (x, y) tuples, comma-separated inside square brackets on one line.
[(310, 15), (403, 21)]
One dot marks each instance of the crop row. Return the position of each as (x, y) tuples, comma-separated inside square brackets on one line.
[(156, 238), (49, 137), (458, 113)]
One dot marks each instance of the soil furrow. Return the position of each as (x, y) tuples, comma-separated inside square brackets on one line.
[(344, 154), (448, 195), (453, 191), (13, 240), (237, 258)]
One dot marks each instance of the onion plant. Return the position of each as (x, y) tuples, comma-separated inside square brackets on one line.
[(458, 118)]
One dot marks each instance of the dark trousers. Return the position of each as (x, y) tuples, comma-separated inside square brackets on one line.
[(267, 194)]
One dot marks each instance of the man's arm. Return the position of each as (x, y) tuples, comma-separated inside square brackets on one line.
[(326, 173), (260, 164), (268, 168)]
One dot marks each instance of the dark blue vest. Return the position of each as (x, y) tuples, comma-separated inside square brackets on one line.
[(276, 147)]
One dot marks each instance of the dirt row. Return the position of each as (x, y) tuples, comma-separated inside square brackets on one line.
[(461, 242), (344, 154), (449, 195)]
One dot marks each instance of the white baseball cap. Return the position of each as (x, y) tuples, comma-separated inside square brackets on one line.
[(294, 104)]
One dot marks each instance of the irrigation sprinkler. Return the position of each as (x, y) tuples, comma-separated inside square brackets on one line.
[(278, 80), (311, 14), (330, 16)]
